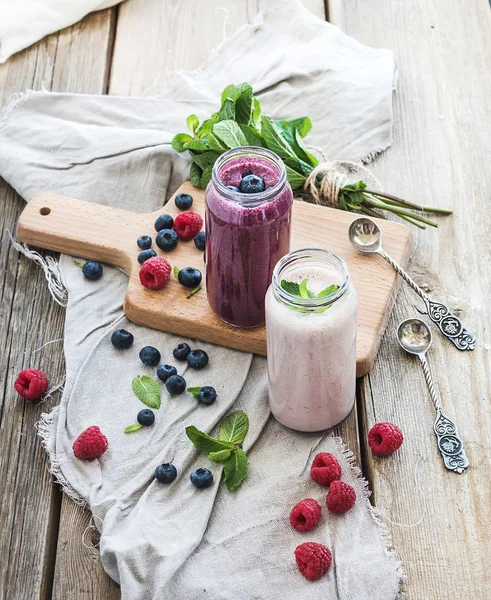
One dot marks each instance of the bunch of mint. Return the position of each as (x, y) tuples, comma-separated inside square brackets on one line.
[(227, 449), (240, 122)]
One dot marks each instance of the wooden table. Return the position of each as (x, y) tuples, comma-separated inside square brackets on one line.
[(441, 154)]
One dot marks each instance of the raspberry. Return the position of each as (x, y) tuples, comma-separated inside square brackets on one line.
[(155, 273), (187, 225), (313, 560), (325, 468), (341, 497), (305, 514), (385, 438), (31, 384), (90, 444)]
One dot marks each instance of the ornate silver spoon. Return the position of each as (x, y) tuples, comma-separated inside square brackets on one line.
[(415, 337), (365, 236)]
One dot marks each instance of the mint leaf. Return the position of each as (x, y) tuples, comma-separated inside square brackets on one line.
[(192, 292), (274, 140), (234, 428), (230, 134), (302, 124), (179, 140), (227, 111), (194, 390), (220, 456), (244, 106), (147, 390), (304, 292), (290, 287), (256, 113), (330, 289), (234, 92), (78, 264), (235, 469), (205, 443), (176, 270), (295, 179), (195, 144), (205, 178), (132, 428), (206, 159), (192, 122), (195, 174), (252, 136), (205, 127), (215, 144)]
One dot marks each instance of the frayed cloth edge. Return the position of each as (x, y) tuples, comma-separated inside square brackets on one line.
[(45, 430), (375, 514)]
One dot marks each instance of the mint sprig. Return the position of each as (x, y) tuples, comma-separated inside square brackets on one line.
[(132, 428), (240, 122), (301, 291), (227, 449)]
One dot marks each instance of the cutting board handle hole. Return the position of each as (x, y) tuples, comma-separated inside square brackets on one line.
[(44, 211)]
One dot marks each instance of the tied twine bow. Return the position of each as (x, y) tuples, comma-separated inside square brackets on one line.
[(327, 180), (328, 184)]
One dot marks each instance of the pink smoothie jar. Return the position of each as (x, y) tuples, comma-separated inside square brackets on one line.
[(246, 234)]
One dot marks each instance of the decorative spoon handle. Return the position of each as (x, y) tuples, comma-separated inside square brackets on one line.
[(449, 441), (448, 323)]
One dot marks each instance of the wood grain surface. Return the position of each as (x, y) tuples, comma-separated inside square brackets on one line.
[(442, 135), (441, 144), (80, 229)]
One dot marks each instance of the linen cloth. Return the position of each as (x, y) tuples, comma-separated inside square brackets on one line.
[(23, 22), (174, 542)]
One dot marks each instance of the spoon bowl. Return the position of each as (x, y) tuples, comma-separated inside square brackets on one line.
[(414, 336), (365, 235)]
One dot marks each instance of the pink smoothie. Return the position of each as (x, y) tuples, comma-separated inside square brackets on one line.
[(312, 355), (246, 235)]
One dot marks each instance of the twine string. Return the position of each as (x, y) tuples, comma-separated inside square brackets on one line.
[(328, 178)]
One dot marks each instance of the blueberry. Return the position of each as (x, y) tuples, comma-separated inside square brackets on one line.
[(122, 339), (146, 417), (251, 184), (181, 351), (207, 395), (165, 371), (92, 270), (202, 478), (233, 188), (200, 240), (144, 242), (166, 473), (150, 356), (183, 201), (197, 359), (175, 385), (189, 277), (145, 255), (167, 239), (164, 222)]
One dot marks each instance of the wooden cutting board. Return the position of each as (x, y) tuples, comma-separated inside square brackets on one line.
[(109, 235)]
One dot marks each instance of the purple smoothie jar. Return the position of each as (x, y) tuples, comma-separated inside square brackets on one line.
[(246, 234)]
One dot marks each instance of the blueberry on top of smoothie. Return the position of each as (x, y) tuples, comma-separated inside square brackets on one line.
[(251, 184)]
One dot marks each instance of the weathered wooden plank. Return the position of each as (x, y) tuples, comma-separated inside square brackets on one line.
[(29, 503), (442, 134)]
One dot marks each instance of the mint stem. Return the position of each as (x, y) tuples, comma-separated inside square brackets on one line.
[(192, 292), (399, 201)]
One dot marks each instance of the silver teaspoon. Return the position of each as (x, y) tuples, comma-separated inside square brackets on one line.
[(365, 236), (415, 337)]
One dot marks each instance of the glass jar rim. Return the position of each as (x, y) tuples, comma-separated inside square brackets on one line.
[(310, 304), (249, 200)]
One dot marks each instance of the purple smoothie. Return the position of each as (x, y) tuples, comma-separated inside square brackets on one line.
[(246, 234)]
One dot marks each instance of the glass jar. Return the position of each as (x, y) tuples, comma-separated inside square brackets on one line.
[(246, 234), (311, 341)]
